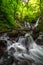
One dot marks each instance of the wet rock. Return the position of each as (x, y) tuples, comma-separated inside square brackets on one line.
[(39, 40), (35, 33), (7, 61), (13, 33), (26, 25), (3, 46), (3, 43), (24, 62)]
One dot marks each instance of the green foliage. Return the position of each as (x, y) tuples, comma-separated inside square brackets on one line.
[(41, 26), (28, 11), (7, 7), (22, 11)]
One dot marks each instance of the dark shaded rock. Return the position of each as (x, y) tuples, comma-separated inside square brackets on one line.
[(39, 40), (3, 46), (35, 33), (24, 62), (3, 43), (7, 61), (13, 34)]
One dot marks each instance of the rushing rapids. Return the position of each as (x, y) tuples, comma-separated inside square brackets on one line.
[(23, 52)]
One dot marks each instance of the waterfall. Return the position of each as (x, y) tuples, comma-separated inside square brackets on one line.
[(37, 22)]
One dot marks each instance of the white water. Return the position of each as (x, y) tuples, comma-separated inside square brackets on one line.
[(34, 53), (37, 22), (19, 51)]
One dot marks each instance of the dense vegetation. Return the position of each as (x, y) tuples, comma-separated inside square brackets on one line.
[(15, 12)]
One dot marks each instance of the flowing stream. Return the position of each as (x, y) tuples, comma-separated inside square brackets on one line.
[(24, 52)]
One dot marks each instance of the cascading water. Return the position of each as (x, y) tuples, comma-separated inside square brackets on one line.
[(23, 52)]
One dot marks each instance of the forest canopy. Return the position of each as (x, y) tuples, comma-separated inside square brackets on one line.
[(13, 11)]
